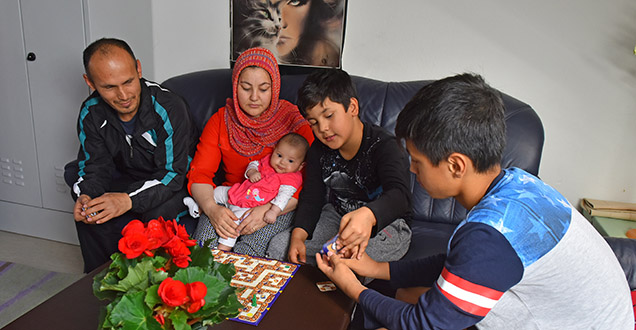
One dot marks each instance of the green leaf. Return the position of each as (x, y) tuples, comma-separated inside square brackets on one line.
[(131, 313), (201, 257), (199, 326), (180, 320), (224, 271), (121, 264), (103, 277), (136, 280), (158, 277), (194, 274), (227, 305), (230, 305), (152, 296)]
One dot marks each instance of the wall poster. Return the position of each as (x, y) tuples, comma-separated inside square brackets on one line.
[(298, 32)]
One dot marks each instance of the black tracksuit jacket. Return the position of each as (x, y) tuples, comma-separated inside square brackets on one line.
[(157, 156)]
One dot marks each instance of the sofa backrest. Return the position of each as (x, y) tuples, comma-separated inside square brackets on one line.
[(380, 102)]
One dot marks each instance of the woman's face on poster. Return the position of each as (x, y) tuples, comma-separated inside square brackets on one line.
[(293, 14)]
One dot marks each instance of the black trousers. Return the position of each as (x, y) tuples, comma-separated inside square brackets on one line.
[(99, 242)]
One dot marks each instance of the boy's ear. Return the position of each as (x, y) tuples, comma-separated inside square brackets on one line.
[(458, 164), (302, 165), (354, 107)]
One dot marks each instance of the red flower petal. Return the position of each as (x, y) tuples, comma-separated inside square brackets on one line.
[(172, 292), (135, 226), (196, 290), (133, 245)]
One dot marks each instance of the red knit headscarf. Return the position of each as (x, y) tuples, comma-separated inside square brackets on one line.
[(249, 135)]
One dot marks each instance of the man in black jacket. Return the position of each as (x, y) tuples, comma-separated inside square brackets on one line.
[(136, 142)]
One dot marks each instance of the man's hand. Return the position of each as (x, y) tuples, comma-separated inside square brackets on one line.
[(254, 220), (222, 219), (254, 175), (107, 206), (337, 271), (355, 231), (297, 250), (78, 209)]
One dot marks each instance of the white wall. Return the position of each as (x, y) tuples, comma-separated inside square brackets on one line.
[(124, 19), (572, 61)]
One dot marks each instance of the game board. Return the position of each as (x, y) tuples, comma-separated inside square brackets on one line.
[(259, 281)]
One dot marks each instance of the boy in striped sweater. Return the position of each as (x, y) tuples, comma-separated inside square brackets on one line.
[(524, 258)]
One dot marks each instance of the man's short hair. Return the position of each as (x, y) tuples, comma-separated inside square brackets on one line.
[(456, 114), (103, 45), (321, 84), (295, 140)]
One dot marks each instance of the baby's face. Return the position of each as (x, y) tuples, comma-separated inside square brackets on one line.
[(287, 158)]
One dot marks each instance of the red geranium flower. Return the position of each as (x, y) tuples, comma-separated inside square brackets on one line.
[(134, 226), (133, 244), (159, 317), (196, 292), (173, 292), (181, 261), (180, 232), (178, 251), (157, 233)]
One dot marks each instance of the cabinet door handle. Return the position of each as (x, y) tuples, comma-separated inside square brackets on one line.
[(31, 57)]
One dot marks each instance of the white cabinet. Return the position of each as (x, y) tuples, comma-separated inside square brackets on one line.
[(41, 89)]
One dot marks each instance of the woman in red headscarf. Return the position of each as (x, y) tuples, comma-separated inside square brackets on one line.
[(246, 129)]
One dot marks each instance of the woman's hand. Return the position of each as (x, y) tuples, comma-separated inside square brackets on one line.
[(254, 219), (222, 219)]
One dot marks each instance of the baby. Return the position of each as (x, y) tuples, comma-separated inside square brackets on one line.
[(272, 179)]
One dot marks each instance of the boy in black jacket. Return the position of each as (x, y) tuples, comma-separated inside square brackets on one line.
[(357, 179)]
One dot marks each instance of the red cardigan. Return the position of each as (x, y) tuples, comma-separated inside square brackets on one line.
[(214, 147)]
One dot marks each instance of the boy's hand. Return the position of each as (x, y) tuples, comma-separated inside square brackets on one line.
[(297, 249), (254, 175), (355, 231), (337, 271), (365, 266)]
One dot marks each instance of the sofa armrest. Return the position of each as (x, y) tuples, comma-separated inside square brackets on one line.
[(625, 250)]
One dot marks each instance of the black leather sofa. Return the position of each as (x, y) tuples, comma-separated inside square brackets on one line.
[(433, 220)]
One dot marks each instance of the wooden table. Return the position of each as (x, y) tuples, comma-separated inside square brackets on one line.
[(300, 306)]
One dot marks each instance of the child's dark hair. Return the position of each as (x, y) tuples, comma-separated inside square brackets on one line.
[(456, 114), (321, 84), (103, 45), (295, 140)]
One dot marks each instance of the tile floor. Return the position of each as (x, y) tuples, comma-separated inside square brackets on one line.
[(40, 253)]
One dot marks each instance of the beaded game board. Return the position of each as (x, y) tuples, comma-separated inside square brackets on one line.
[(260, 281)]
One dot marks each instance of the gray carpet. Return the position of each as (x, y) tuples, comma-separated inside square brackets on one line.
[(23, 288)]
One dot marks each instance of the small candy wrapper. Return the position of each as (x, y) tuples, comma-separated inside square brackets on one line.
[(330, 246), (326, 286)]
